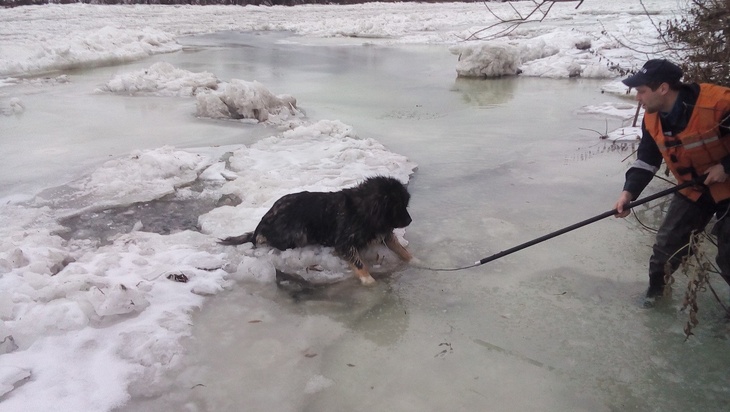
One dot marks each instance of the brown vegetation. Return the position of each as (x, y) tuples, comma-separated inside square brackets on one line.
[(701, 40)]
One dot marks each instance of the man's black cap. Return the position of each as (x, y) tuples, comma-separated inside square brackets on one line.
[(656, 70)]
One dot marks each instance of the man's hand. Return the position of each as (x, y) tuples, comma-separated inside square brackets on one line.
[(716, 174), (621, 203)]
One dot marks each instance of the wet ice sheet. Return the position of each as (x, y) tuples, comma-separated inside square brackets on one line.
[(559, 321), (496, 177)]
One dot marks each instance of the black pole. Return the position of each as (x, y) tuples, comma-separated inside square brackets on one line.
[(591, 220)]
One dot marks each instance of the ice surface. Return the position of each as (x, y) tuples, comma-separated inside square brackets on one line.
[(161, 79), (101, 307)]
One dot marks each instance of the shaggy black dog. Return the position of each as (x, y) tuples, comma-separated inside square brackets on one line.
[(347, 220)]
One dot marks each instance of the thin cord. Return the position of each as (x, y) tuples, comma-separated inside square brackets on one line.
[(556, 233), (647, 227), (446, 269)]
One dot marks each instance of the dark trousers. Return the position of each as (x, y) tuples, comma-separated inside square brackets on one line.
[(684, 217)]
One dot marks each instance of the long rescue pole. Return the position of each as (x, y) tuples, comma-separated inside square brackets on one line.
[(693, 182)]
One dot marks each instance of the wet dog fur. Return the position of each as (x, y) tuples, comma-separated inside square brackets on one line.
[(347, 220)]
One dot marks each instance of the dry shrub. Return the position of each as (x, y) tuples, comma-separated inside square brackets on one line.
[(701, 38)]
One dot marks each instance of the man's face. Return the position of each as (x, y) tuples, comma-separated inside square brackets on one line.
[(652, 100)]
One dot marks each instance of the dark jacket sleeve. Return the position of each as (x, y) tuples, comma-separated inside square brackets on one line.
[(725, 133), (647, 156)]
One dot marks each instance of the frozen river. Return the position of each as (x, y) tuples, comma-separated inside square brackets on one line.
[(556, 327)]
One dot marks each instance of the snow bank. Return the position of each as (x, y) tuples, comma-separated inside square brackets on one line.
[(559, 54), (240, 99), (161, 79), (80, 35), (87, 48), (237, 99)]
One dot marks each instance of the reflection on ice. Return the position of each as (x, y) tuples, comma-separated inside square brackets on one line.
[(485, 92)]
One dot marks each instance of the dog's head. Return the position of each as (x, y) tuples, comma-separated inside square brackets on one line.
[(389, 201)]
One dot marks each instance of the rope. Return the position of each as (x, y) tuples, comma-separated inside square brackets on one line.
[(593, 219), (446, 269)]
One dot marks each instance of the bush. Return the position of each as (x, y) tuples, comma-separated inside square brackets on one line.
[(702, 41)]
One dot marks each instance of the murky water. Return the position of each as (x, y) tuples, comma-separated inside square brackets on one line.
[(170, 214), (554, 327)]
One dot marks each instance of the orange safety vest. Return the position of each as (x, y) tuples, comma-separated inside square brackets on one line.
[(699, 145)]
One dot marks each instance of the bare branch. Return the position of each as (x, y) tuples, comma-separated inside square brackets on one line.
[(538, 13)]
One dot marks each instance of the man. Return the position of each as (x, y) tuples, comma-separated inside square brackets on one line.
[(688, 127)]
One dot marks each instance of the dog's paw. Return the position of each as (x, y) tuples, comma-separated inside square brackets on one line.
[(367, 280)]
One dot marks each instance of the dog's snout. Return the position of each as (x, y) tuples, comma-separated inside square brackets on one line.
[(405, 219)]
